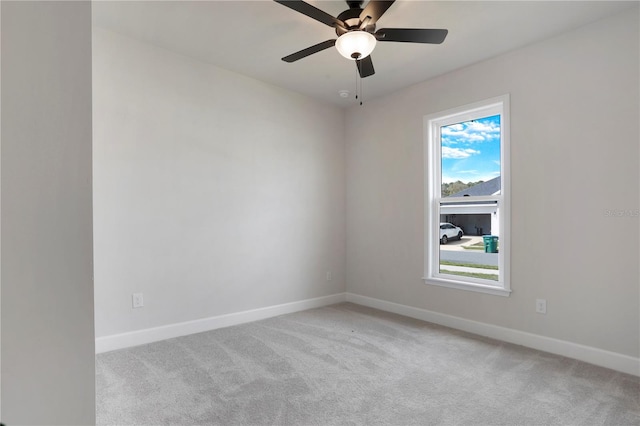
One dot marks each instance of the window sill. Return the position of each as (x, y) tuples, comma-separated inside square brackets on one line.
[(461, 285)]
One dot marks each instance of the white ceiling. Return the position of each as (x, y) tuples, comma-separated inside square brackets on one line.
[(250, 37)]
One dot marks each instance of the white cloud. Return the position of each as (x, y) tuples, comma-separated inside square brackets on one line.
[(483, 126), (470, 131), (458, 153)]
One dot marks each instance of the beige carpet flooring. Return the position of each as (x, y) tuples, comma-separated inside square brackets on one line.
[(350, 365)]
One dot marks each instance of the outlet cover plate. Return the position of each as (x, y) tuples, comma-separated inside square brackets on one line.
[(137, 300)]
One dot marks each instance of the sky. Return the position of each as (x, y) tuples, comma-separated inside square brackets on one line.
[(471, 150)]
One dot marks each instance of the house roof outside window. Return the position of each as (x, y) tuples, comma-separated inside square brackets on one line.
[(490, 187)]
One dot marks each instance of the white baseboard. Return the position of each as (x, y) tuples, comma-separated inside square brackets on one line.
[(591, 355), (149, 335), (612, 360)]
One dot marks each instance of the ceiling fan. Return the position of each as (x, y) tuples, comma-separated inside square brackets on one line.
[(356, 30)]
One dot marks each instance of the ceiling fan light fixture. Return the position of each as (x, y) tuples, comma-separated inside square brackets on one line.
[(356, 44)]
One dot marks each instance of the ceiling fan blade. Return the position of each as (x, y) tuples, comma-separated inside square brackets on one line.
[(411, 35), (374, 10), (309, 51), (312, 12), (365, 67)]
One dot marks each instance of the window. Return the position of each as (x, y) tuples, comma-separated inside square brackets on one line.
[(467, 228)]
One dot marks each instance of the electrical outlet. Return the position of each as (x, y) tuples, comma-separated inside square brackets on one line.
[(328, 275), (541, 306), (138, 301)]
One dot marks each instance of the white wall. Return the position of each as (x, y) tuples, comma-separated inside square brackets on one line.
[(47, 330), (213, 193), (574, 154)]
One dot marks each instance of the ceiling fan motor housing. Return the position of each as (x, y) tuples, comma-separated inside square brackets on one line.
[(351, 17)]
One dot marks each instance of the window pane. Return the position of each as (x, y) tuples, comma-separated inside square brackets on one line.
[(471, 248), (471, 158), (468, 197)]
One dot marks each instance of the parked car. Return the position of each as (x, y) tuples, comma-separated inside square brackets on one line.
[(449, 232)]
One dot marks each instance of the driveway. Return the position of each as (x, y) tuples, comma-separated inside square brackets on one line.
[(467, 240), (454, 251)]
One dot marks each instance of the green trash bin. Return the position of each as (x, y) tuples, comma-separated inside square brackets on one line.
[(490, 243)]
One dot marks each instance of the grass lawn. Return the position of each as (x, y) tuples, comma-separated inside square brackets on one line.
[(491, 277), (474, 275), (480, 275), (468, 265)]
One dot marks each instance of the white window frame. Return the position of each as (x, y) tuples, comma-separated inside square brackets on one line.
[(433, 176)]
